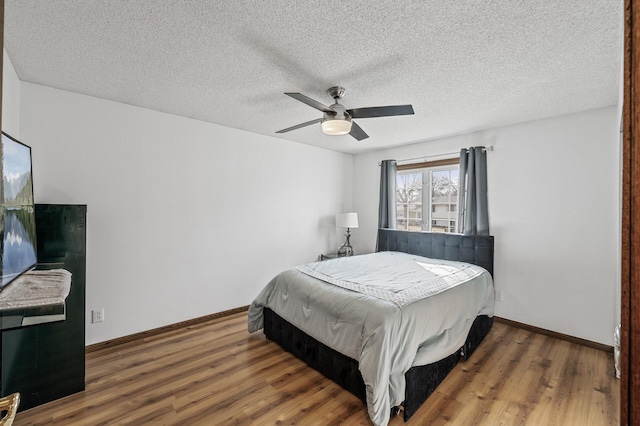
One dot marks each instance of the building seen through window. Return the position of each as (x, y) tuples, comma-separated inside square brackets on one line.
[(427, 199)]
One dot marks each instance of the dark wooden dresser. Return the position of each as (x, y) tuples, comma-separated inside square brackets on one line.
[(47, 361)]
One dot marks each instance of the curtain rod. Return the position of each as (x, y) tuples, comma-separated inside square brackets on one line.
[(424, 157)]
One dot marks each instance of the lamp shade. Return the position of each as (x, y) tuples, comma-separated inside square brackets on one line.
[(335, 127), (347, 220), (337, 123)]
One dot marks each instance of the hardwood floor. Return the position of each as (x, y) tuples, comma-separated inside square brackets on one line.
[(217, 373)]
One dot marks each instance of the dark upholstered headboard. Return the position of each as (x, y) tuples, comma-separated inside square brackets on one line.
[(475, 249)]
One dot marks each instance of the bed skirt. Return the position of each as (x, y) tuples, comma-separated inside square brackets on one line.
[(421, 380)]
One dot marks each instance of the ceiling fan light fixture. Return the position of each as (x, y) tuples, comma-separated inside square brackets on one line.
[(334, 126), (337, 119)]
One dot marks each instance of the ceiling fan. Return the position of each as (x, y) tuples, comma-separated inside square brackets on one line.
[(337, 119)]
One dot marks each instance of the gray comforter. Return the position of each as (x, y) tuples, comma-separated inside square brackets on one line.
[(365, 318)]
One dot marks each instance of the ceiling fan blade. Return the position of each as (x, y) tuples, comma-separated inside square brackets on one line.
[(297, 126), (357, 132), (307, 100), (383, 111)]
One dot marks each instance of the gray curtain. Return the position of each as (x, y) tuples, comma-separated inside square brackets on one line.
[(387, 206), (473, 212)]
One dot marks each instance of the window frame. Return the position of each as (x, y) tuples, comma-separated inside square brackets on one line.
[(426, 168)]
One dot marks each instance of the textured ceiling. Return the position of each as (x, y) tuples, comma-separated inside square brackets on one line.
[(465, 65)]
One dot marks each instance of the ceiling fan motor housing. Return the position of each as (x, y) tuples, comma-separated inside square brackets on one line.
[(337, 122)]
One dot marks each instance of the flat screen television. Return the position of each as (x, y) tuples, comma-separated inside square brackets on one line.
[(17, 213)]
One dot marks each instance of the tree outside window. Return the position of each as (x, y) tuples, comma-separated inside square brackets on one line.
[(409, 201), (427, 199)]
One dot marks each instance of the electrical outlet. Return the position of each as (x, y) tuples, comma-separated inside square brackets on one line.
[(97, 316), (499, 296)]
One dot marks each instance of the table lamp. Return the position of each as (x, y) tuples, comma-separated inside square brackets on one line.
[(346, 220)]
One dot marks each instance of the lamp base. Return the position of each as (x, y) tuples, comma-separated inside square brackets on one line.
[(346, 249)]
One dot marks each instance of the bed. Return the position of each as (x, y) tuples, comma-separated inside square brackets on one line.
[(390, 349)]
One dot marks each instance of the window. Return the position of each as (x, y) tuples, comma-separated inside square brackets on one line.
[(427, 197)]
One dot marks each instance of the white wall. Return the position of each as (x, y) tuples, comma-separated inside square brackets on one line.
[(554, 211), (185, 218), (10, 98)]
